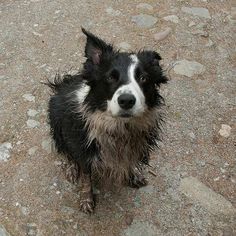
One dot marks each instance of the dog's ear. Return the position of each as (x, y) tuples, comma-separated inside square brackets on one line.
[(150, 61), (95, 47)]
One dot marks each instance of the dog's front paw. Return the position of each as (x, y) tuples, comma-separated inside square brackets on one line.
[(137, 180), (87, 205)]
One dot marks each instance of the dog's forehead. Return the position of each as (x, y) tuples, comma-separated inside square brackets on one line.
[(123, 61)]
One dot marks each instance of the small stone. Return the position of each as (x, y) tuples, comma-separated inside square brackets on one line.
[(206, 197), (32, 112), (216, 179), (5, 151), (147, 189), (32, 150), (145, 6), (144, 20), (37, 34), (210, 43), (58, 192), (192, 135), (197, 11), (58, 163), (47, 145), (113, 12), (226, 164), (225, 130), (140, 228), (162, 35), (3, 77), (202, 33), (24, 210), (191, 23), (3, 231), (189, 68), (124, 45), (32, 123), (29, 97), (222, 170), (172, 18)]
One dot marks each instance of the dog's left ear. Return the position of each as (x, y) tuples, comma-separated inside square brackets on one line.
[(95, 47), (150, 61)]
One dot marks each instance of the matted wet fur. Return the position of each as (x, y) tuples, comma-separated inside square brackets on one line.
[(107, 118)]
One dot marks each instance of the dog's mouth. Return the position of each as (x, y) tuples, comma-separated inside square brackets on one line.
[(126, 115)]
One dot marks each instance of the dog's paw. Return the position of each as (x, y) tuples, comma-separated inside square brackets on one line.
[(137, 180), (87, 205)]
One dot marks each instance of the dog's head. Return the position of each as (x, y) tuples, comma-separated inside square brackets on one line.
[(122, 84)]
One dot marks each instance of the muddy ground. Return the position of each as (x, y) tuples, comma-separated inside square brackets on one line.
[(194, 190)]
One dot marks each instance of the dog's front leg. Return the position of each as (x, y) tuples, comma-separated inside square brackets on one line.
[(86, 195)]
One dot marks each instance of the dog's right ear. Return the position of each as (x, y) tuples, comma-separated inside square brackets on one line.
[(95, 47)]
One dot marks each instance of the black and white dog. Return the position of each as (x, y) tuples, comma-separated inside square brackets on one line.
[(107, 118)]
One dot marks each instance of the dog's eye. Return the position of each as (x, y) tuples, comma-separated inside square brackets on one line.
[(114, 76), (142, 79)]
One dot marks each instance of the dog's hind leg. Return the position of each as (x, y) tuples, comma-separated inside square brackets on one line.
[(86, 195)]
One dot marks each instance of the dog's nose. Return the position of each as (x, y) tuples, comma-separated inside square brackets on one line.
[(126, 101)]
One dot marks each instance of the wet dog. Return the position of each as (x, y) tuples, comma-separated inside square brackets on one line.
[(106, 119)]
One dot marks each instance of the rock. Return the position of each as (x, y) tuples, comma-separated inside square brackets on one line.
[(147, 189), (124, 46), (202, 33), (141, 228), (3, 231), (209, 44), (47, 145), (112, 12), (5, 151), (31, 229), (32, 112), (162, 35), (145, 6), (172, 18), (32, 123), (191, 23), (144, 20), (225, 130), (32, 150), (197, 11), (189, 68), (29, 97), (206, 197)]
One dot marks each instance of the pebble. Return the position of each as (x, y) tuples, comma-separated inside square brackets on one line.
[(225, 131), (145, 6), (32, 150), (197, 11), (162, 35), (112, 12), (209, 44), (189, 68), (29, 97), (202, 33), (32, 112), (206, 197), (172, 18), (47, 145), (191, 23), (3, 231), (37, 34), (124, 46), (140, 228), (5, 151), (32, 123), (144, 20)]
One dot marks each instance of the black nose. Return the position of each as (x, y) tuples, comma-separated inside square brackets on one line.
[(126, 101)]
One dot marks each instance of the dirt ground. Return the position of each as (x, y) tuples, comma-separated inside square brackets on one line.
[(194, 190)]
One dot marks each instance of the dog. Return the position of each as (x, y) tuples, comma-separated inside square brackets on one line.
[(107, 118)]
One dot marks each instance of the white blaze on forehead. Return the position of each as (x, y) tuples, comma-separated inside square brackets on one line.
[(132, 87), (82, 92)]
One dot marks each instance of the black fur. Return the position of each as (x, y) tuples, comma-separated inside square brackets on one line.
[(105, 70)]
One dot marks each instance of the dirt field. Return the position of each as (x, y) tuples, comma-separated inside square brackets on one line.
[(194, 190)]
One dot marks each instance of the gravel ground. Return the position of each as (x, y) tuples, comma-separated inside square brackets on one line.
[(194, 190)]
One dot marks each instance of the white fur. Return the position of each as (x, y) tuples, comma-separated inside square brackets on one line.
[(82, 92), (132, 88)]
